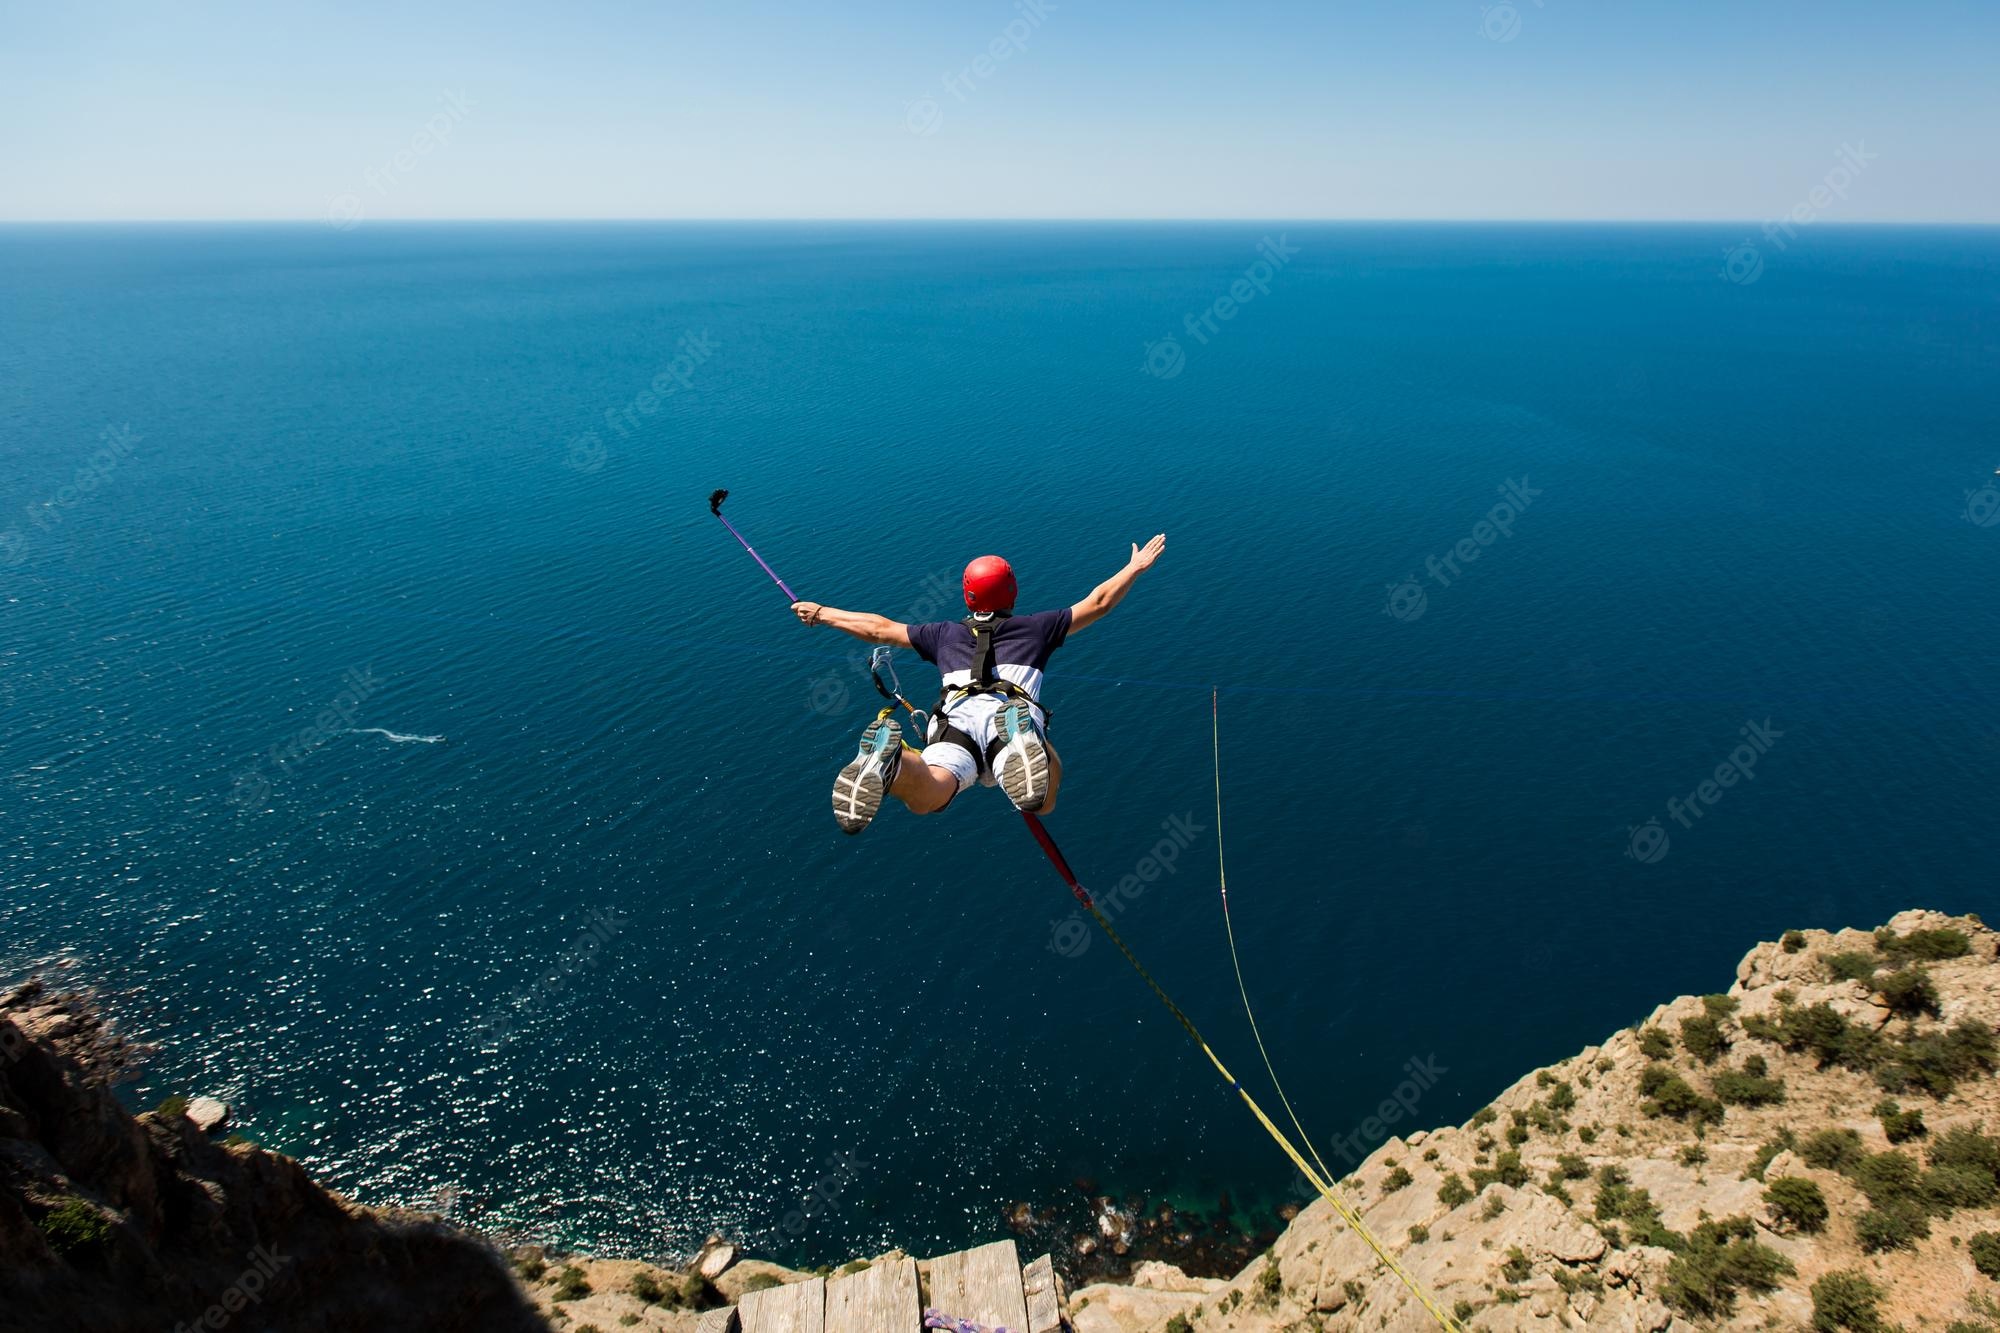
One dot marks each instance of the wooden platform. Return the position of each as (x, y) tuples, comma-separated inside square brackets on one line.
[(986, 1285)]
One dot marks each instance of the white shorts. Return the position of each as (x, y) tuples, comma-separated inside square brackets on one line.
[(975, 717)]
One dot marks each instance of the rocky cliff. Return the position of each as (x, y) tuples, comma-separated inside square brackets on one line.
[(111, 1223), (1818, 1146)]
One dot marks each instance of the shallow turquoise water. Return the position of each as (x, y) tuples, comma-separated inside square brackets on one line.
[(599, 961)]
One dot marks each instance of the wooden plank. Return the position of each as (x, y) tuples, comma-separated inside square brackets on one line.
[(796, 1307), (1038, 1283), (983, 1285), (718, 1321), (879, 1299)]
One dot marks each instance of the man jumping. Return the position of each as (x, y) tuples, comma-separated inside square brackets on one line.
[(989, 725)]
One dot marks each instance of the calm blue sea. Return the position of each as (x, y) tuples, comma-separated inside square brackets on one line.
[(388, 726)]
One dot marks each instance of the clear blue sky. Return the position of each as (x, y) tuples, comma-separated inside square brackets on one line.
[(1110, 108)]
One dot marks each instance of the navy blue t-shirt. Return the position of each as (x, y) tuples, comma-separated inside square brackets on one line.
[(1022, 642)]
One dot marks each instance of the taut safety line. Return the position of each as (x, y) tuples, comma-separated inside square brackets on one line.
[(1319, 1181)]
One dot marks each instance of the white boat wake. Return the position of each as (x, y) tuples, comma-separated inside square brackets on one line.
[(396, 737)]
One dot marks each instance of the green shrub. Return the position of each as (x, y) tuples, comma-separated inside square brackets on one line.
[(1461, 1310), (1671, 1095), (1618, 1201), (1572, 1167), (75, 1228), (1783, 1141), (1703, 1038), (1419, 1234), (1851, 967), (1179, 1324), (1396, 1180), (1965, 1154), (762, 1282), (1888, 1177), (1720, 1006), (571, 1285), (1517, 1135), (647, 1288), (1588, 1133), (1793, 941), (1923, 945), (1562, 1097), (1846, 1301), (1506, 1170), (1270, 1282), (1742, 1087), (1453, 1192), (531, 1268), (172, 1108), (1833, 1150), (1899, 1125), (1485, 1115), (1517, 1268), (1720, 1259), (1899, 1226), (1985, 1251), (1693, 1154), (1655, 1045), (1934, 1062), (1798, 1201), (1495, 1206), (1910, 992), (1831, 1039)]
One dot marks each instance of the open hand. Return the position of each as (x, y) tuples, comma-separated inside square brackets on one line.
[(1143, 557), (807, 612)]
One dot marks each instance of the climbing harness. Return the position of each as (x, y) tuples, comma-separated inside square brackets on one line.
[(1320, 1178)]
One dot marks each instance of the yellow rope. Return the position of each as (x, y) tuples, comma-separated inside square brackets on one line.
[(1228, 925), (1320, 1177)]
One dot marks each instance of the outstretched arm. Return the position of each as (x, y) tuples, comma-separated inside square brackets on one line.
[(861, 624), (1112, 591)]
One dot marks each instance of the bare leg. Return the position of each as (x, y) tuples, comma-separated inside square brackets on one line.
[(923, 787)]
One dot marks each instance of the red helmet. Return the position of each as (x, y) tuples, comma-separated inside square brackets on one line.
[(989, 584)]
